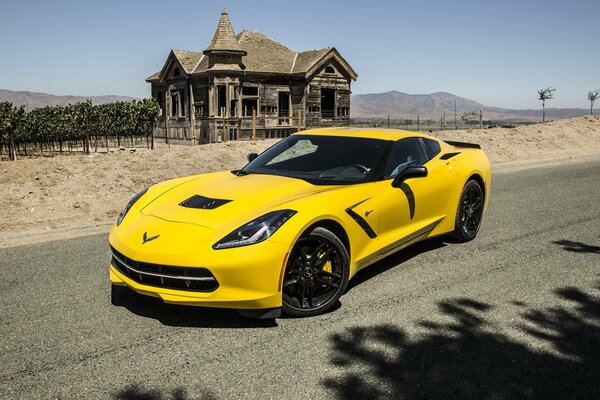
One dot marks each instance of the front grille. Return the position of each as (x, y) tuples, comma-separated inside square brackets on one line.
[(166, 276)]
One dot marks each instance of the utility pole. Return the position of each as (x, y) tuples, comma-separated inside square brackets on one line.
[(455, 126), (388, 121), (480, 118), (418, 122)]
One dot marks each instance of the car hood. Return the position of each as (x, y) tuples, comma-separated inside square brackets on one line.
[(244, 198)]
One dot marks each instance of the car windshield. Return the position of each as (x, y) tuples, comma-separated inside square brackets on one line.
[(320, 160)]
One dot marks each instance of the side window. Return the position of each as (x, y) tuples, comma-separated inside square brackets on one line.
[(432, 147), (404, 153)]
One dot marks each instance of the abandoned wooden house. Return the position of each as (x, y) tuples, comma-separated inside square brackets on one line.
[(248, 84)]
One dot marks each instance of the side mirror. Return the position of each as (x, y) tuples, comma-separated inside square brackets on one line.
[(252, 156), (415, 171)]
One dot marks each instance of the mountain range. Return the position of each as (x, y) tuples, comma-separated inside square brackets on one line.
[(35, 100), (399, 105)]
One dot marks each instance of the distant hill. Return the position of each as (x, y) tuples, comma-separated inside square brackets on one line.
[(400, 105), (36, 100)]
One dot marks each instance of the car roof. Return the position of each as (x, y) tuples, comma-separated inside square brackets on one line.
[(371, 133)]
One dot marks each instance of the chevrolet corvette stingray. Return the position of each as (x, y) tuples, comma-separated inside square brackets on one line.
[(291, 228)]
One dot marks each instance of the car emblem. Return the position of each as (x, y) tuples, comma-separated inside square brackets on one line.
[(368, 212), (145, 238)]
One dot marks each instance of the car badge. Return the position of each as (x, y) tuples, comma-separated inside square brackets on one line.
[(368, 212), (145, 238)]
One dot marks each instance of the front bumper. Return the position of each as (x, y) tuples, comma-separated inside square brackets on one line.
[(246, 277)]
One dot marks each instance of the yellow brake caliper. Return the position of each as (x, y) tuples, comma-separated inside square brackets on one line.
[(327, 267)]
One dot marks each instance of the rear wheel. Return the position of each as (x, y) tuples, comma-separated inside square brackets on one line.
[(469, 213), (316, 274)]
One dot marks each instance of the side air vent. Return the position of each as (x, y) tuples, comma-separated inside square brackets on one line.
[(448, 156), (204, 203)]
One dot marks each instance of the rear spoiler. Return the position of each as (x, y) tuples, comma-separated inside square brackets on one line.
[(463, 144)]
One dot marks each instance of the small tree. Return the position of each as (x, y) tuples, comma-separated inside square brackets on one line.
[(592, 96), (543, 95)]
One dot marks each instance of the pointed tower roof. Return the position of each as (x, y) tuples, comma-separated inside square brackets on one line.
[(224, 39)]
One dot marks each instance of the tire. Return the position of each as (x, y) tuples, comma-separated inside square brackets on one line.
[(469, 213), (316, 274)]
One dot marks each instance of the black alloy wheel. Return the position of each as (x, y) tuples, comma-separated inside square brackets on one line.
[(469, 213), (316, 274)]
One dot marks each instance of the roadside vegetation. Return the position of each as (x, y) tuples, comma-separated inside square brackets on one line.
[(80, 127)]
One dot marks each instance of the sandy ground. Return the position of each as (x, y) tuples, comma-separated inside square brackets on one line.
[(47, 198)]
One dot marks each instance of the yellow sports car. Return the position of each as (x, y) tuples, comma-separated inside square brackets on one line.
[(288, 231)]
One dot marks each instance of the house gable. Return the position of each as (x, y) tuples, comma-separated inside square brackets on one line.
[(331, 59)]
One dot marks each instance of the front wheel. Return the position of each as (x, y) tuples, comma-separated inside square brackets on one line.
[(469, 213), (316, 274)]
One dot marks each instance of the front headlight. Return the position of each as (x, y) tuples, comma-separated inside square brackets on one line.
[(129, 205), (255, 231)]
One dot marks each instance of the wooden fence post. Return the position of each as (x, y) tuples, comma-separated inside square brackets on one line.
[(254, 125)]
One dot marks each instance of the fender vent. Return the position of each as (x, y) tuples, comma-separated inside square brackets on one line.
[(204, 203), (448, 156)]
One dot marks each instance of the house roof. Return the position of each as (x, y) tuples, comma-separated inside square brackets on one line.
[(261, 54), (307, 59), (188, 59)]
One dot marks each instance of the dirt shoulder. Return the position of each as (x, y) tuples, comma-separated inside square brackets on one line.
[(60, 197)]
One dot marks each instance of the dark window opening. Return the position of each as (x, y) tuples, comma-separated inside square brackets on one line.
[(250, 90), (328, 103), (221, 100), (176, 72), (268, 110), (284, 108), (182, 102), (233, 134), (314, 109), (329, 70), (343, 111), (160, 100), (174, 103), (248, 105)]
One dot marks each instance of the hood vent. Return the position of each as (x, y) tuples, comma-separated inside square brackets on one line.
[(204, 203)]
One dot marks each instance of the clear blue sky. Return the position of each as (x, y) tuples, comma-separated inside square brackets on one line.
[(496, 52)]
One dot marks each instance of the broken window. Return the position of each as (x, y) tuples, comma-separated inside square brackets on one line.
[(182, 103), (284, 108), (329, 70), (343, 111), (250, 90), (174, 103), (328, 103), (248, 105), (160, 101), (176, 72), (221, 100)]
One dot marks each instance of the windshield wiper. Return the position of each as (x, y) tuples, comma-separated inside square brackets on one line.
[(241, 172)]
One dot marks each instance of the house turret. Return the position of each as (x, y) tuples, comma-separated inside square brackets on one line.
[(224, 52)]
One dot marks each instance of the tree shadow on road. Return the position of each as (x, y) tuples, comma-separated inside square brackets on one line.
[(466, 358), (136, 392), (577, 247), (183, 316), (394, 260)]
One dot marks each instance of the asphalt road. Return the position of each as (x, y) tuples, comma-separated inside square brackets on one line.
[(514, 314)]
